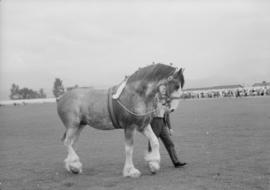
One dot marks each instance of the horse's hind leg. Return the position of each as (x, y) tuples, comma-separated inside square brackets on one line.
[(72, 162), (129, 169)]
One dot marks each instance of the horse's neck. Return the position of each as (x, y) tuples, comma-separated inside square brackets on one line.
[(143, 89)]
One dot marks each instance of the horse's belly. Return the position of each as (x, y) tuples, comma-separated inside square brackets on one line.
[(95, 113), (100, 121), (103, 127)]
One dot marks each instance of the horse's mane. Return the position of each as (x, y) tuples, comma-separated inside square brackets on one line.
[(154, 72)]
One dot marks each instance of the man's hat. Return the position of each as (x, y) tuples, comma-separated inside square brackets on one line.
[(162, 82)]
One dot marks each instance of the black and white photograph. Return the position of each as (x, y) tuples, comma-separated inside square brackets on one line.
[(134, 95)]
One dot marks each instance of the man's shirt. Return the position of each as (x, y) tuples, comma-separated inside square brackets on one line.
[(161, 106)]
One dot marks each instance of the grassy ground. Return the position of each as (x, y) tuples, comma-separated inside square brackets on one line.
[(226, 143)]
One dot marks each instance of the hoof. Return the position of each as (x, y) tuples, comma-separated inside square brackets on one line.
[(75, 167), (131, 172), (75, 170), (153, 166)]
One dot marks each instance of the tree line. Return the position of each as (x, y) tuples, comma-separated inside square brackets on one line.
[(17, 93)]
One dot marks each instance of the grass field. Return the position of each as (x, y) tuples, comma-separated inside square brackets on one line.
[(226, 143)]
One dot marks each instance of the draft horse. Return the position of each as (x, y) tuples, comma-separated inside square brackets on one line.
[(131, 111)]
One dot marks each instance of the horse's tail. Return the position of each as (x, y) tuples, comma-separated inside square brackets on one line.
[(64, 136)]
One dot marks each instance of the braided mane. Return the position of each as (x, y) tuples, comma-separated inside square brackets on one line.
[(154, 72)]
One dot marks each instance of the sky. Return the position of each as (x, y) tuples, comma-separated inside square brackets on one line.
[(97, 43)]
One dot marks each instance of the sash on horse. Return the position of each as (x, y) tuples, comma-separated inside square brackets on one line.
[(110, 105), (113, 94)]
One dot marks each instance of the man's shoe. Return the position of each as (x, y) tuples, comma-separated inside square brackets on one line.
[(179, 164)]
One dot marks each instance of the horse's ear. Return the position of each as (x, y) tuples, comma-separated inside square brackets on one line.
[(177, 72), (181, 71)]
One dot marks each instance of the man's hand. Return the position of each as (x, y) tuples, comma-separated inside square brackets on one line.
[(171, 132)]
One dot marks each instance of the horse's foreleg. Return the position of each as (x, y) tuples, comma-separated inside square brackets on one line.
[(129, 169), (153, 157), (72, 162)]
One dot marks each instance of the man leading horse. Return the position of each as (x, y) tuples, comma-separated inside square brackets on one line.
[(132, 111), (161, 123)]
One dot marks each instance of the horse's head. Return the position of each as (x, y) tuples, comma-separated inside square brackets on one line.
[(175, 84), (146, 80)]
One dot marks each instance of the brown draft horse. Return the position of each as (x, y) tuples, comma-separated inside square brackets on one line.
[(131, 111)]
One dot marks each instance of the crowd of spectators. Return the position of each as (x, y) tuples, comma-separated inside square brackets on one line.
[(218, 93)]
